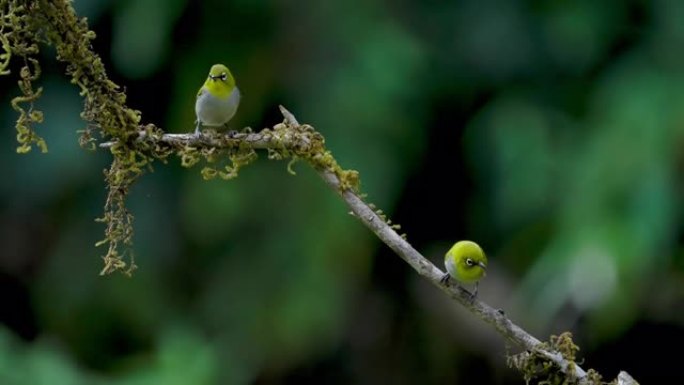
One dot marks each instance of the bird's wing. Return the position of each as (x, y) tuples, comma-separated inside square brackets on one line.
[(201, 92)]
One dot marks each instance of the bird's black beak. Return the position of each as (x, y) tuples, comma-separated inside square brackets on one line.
[(212, 77), (482, 265)]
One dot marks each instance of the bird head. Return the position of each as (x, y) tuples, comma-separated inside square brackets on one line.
[(220, 81), (469, 259)]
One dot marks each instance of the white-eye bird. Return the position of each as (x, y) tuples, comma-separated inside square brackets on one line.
[(466, 263), (217, 99)]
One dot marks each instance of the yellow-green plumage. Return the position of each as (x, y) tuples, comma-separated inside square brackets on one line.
[(466, 263), (217, 99)]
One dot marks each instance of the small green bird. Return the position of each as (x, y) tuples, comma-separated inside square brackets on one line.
[(218, 99), (466, 263)]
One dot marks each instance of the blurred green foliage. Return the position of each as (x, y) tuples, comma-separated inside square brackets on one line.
[(550, 132)]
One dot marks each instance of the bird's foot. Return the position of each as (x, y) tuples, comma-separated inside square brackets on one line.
[(229, 133), (473, 294), (445, 279), (470, 297)]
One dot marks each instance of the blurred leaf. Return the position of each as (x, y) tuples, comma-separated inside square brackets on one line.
[(142, 35), (39, 364), (578, 33), (182, 357)]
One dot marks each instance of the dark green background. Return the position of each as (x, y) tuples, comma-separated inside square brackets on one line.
[(552, 133)]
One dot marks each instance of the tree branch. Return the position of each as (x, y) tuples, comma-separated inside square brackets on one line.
[(292, 137), (135, 146), (425, 268)]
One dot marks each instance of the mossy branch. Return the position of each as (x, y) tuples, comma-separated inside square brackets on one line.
[(553, 360), (25, 24)]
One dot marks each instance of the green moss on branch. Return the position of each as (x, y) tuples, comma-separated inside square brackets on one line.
[(25, 25), (134, 147)]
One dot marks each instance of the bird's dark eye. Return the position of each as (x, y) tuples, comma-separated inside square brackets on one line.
[(469, 262), (224, 76)]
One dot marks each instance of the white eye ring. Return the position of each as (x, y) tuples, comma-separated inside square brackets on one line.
[(469, 262), (224, 76)]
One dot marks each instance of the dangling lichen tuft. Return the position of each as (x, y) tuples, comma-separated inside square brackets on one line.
[(118, 221), (565, 345), (290, 164), (238, 158), (189, 156), (19, 37)]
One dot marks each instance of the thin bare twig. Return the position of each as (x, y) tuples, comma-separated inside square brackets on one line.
[(424, 267)]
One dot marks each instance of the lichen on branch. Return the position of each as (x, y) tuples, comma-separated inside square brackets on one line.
[(24, 26), (18, 38)]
